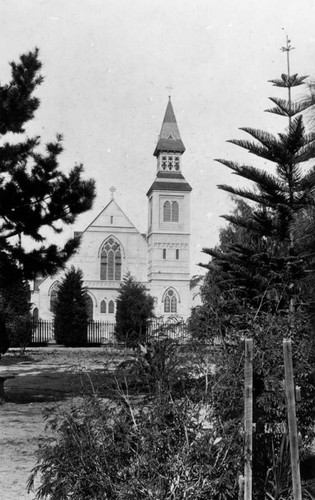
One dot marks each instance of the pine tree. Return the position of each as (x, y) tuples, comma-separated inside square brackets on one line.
[(70, 317), (134, 308), (15, 303), (35, 193), (264, 269), (267, 272)]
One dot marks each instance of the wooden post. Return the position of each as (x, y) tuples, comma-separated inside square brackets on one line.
[(293, 434), (248, 418)]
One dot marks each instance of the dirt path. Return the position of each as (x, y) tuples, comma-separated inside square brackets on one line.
[(43, 376)]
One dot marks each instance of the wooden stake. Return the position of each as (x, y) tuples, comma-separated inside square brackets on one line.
[(248, 418), (293, 434)]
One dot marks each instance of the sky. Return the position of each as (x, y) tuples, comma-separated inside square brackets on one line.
[(108, 66)]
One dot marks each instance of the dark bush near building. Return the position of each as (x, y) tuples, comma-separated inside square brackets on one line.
[(71, 318), (134, 308)]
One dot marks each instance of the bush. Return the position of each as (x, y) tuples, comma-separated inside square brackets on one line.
[(134, 308), (71, 318), (162, 450), (19, 330)]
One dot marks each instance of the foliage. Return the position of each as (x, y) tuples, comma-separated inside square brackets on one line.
[(278, 477), (14, 307), (134, 308), (155, 367), (260, 284), (268, 267), (70, 317), (35, 193), (160, 446)]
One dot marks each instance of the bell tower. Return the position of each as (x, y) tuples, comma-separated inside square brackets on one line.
[(169, 224)]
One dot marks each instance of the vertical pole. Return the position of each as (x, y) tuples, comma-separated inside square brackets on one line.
[(248, 418), (293, 434)]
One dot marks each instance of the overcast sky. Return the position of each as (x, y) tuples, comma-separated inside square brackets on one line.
[(108, 63)]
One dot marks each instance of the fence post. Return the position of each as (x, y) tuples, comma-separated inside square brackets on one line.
[(248, 418), (293, 434)]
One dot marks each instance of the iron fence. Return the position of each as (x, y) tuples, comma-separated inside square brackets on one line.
[(42, 331), (103, 332), (172, 328)]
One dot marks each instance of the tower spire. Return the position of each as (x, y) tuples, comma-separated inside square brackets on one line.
[(169, 139)]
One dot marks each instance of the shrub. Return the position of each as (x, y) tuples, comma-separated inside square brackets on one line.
[(134, 308), (161, 450), (71, 318)]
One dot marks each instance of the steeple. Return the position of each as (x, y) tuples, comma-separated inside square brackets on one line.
[(168, 151), (169, 139), (169, 224)]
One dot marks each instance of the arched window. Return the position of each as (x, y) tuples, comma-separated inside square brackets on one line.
[(167, 211), (174, 304), (167, 304), (111, 307), (53, 298), (89, 307), (175, 211), (171, 211), (170, 302), (103, 307), (35, 314), (117, 266), (111, 261)]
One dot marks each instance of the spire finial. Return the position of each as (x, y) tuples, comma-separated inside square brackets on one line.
[(112, 191)]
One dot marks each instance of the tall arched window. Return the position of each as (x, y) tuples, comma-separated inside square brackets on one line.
[(117, 266), (53, 297), (103, 307), (111, 307), (167, 304), (175, 211), (167, 211), (111, 261), (170, 302)]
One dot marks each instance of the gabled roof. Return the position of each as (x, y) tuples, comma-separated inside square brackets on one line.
[(169, 138), (111, 208)]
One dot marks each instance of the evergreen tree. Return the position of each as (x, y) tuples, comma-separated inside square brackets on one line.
[(71, 318), (35, 193), (15, 319), (220, 302), (263, 272), (134, 308), (267, 269)]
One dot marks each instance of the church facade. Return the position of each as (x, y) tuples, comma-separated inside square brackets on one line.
[(111, 246)]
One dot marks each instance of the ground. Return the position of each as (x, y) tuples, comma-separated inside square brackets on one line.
[(43, 376)]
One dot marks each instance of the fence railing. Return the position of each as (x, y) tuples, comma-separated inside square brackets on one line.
[(172, 328), (42, 331), (103, 332)]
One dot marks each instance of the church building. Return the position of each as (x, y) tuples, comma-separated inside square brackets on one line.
[(111, 246)]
